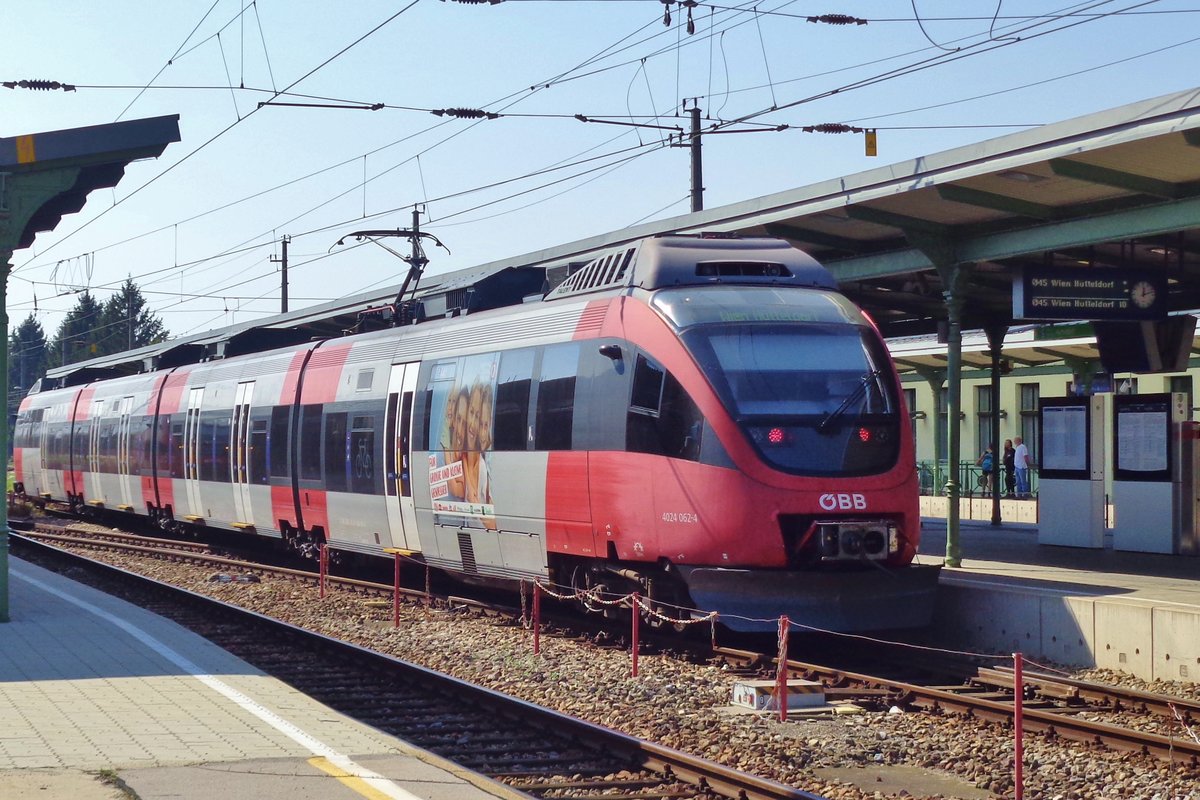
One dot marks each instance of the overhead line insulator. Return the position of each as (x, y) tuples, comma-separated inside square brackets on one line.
[(39, 85), (831, 127), (837, 19), (465, 113)]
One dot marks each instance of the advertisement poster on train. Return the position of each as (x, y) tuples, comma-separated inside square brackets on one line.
[(460, 432)]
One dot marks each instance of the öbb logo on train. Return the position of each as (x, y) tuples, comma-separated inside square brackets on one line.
[(843, 501)]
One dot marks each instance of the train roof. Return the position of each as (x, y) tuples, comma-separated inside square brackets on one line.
[(652, 263)]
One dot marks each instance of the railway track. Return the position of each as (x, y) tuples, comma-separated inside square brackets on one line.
[(537, 751), (1055, 706), (1052, 705)]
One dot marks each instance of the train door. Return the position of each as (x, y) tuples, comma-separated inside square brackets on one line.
[(44, 439), (123, 465), (239, 445), (191, 450), (94, 491), (402, 516)]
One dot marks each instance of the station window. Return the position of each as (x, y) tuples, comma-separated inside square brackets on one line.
[(983, 417), (939, 442), (1030, 424), (910, 402)]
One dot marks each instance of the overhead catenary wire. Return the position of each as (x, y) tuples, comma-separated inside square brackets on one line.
[(425, 192), (228, 128)]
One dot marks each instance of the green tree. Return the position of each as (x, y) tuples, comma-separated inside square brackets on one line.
[(92, 329), (26, 358), (126, 323), (76, 336)]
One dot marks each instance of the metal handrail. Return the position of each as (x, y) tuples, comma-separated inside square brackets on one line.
[(932, 478)]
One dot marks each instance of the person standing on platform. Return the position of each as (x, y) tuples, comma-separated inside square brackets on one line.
[(1010, 469), (987, 464), (1021, 465)]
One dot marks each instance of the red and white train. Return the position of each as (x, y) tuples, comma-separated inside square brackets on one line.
[(706, 420)]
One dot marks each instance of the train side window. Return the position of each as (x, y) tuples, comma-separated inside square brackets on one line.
[(647, 386), (258, 451), (680, 423), (208, 448), (513, 384), (310, 443), (277, 443), (222, 435), (556, 397), (663, 419), (335, 452), (175, 454), (362, 455)]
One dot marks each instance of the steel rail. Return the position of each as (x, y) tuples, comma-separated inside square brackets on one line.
[(702, 773)]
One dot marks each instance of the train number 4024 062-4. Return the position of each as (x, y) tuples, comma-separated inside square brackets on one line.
[(680, 516)]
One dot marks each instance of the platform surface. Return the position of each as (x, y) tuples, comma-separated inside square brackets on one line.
[(91, 684)]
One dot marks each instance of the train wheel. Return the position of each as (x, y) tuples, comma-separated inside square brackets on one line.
[(589, 590)]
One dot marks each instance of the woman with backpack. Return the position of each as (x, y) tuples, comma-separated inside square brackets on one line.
[(987, 463)]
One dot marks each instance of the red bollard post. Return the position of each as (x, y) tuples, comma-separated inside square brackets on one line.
[(781, 677), (537, 618), (636, 614), (396, 595), (322, 566), (1018, 728)]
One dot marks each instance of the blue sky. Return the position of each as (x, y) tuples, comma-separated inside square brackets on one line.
[(197, 227)]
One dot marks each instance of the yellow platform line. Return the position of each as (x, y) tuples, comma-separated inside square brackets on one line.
[(357, 784)]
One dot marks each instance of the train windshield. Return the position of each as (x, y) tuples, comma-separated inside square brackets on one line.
[(802, 372)]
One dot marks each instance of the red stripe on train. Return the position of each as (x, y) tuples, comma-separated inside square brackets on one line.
[(292, 379), (19, 463), (591, 321), (568, 509), (283, 506), (314, 509), (323, 374)]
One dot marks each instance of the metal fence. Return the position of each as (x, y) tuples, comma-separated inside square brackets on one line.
[(933, 475)]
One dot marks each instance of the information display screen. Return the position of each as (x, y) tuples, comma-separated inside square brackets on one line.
[(1142, 437), (1064, 449)]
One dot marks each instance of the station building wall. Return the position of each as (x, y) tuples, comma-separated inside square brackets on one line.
[(1019, 394)]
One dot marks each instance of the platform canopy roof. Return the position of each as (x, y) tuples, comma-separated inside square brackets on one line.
[(1116, 188), (87, 158)]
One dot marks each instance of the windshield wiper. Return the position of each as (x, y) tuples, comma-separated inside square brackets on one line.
[(858, 392)]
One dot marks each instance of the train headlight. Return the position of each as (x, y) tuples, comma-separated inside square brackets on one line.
[(852, 541)]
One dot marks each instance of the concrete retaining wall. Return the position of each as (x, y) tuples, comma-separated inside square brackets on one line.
[(1152, 640)]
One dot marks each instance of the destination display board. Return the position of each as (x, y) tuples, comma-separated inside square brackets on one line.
[(1088, 293)]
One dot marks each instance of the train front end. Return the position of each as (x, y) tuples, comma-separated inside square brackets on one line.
[(808, 503)]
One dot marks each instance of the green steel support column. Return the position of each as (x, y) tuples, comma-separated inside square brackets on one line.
[(942, 250), (21, 196), (5, 266), (995, 335), (954, 303)]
